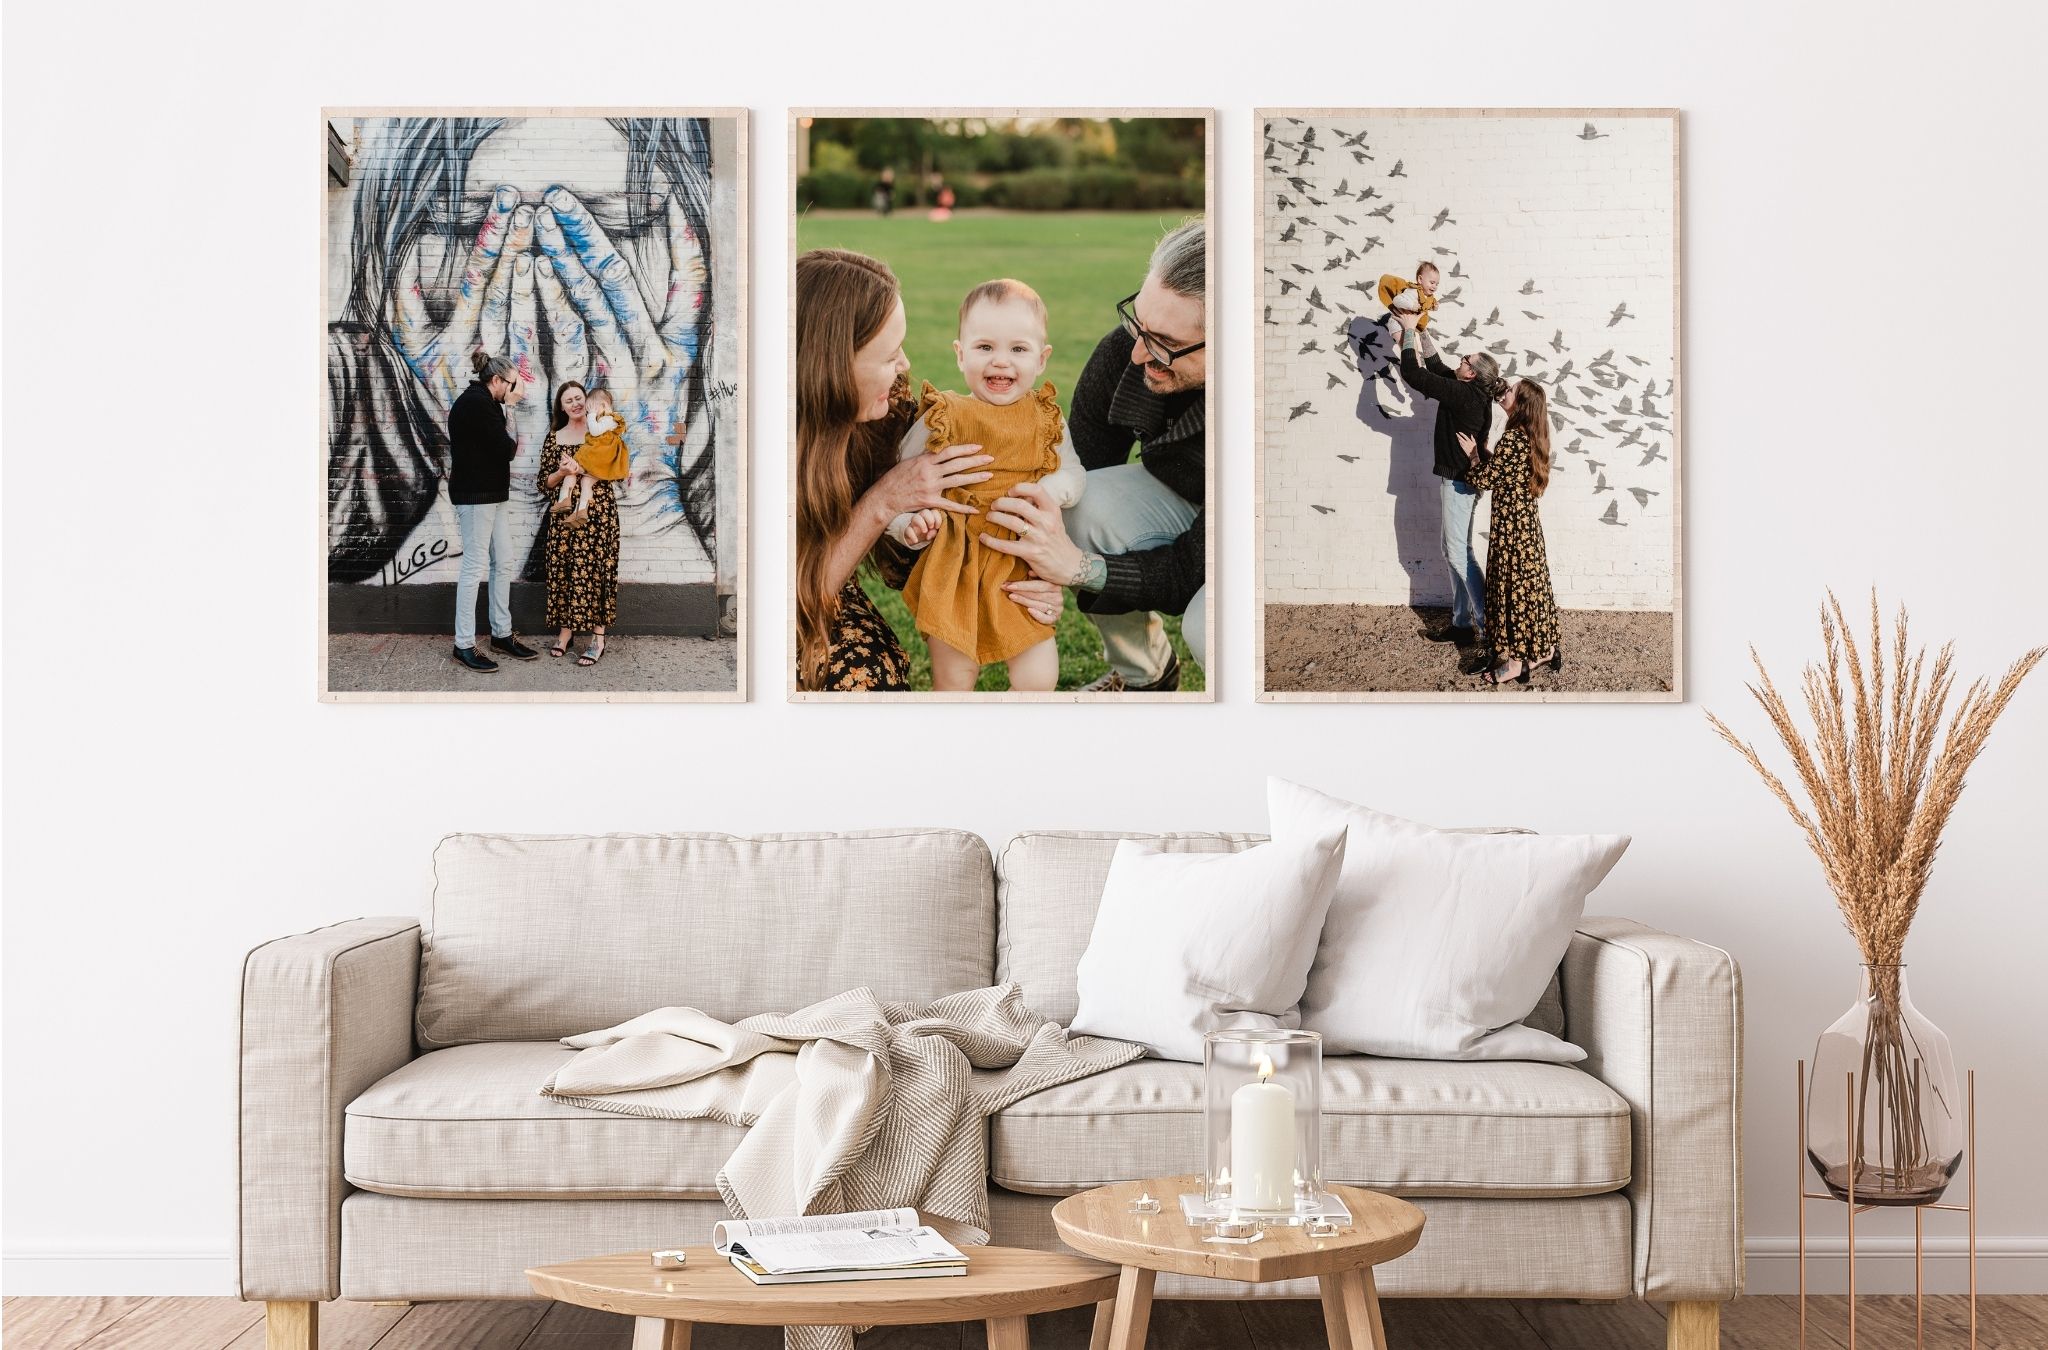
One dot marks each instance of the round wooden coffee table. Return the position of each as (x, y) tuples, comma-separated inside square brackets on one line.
[(1099, 1223), (1002, 1287)]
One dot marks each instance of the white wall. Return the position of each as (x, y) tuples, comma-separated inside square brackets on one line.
[(174, 793)]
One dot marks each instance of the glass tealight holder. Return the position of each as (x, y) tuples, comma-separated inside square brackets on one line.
[(1262, 1118)]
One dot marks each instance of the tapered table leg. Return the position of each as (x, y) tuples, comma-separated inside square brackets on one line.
[(1105, 1324), (1362, 1310), (656, 1333), (1133, 1309), (1335, 1325), (1009, 1333)]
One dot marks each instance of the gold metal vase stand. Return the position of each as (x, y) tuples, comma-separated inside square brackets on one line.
[(1919, 1216)]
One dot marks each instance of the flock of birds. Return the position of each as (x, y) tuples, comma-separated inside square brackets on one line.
[(1607, 406)]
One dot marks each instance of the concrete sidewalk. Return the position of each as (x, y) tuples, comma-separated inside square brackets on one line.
[(413, 663)]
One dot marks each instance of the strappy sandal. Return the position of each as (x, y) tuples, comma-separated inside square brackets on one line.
[(1493, 676), (559, 648), (592, 654)]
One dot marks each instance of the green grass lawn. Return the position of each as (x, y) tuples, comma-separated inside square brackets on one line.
[(1082, 263)]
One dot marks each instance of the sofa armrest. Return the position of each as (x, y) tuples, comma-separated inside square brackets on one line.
[(323, 1016), (1660, 1020)]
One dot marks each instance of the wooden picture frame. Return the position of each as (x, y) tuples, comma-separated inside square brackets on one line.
[(1273, 367), (717, 396), (799, 117)]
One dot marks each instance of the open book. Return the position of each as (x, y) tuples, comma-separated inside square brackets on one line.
[(876, 1244)]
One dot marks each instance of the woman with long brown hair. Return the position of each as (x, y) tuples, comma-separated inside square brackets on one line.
[(1521, 607), (852, 407), (582, 561)]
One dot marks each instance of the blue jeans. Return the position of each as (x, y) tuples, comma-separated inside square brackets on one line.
[(1124, 509), (1468, 584), (486, 543)]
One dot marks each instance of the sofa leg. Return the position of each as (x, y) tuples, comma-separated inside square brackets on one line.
[(1693, 1326), (291, 1326)]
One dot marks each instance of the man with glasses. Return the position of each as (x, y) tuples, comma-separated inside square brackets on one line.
[(1464, 402), (1134, 546)]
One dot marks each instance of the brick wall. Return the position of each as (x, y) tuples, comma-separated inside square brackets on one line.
[(397, 356), (1585, 224)]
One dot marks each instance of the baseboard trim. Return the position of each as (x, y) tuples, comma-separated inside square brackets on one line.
[(2005, 1265), (1884, 1265), (54, 1272)]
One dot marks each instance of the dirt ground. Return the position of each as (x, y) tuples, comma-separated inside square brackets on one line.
[(1381, 649)]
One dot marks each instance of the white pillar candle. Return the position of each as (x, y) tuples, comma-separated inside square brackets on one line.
[(1262, 1144)]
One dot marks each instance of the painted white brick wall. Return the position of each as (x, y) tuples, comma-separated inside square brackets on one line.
[(588, 156), (1529, 200)]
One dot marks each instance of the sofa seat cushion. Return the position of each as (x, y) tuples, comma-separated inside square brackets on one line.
[(1412, 1127), (470, 1122)]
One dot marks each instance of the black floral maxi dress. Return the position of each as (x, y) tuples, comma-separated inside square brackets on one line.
[(865, 655), (582, 562), (1521, 608)]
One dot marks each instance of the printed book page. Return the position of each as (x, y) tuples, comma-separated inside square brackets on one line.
[(876, 1240)]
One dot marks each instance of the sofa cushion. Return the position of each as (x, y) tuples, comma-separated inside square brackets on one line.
[(535, 937), (1412, 1127), (1049, 883), (470, 1122)]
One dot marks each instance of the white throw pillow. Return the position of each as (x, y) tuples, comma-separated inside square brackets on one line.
[(1438, 942), (1189, 942)]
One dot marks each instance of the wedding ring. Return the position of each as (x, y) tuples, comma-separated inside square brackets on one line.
[(1024, 531)]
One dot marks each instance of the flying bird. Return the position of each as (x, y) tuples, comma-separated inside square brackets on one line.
[(1310, 346), (1287, 235), (1613, 516), (1343, 190), (1532, 357), (1471, 328), (1450, 297), (1372, 241), (1493, 319), (1557, 340), (1305, 271), (1499, 348), (1300, 184), (1345, 220), (1443, 218), (1326, 510), (1385, 213), (1529, 287), (1315, 300), (1286, 285), (1530, 314), (1591, 135), (1639, 360), (1642, 495), (1283, 201), (1269, 315), (1335, 380), (1360, 156), (1349, 459), (1399, 170), (1634, 437), (1655, 452), (1620, 313), (1577, 447), (1299, 410), (1605, 358), (1601, 485), (1443, 252)]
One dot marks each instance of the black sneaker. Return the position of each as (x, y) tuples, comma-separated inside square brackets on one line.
[(475, 660), (511, 646), (1457, 633)]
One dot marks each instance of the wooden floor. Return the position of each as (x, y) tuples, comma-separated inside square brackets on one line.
[(1754, 1323)]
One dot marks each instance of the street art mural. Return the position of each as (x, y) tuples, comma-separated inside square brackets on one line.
[(594, 249)]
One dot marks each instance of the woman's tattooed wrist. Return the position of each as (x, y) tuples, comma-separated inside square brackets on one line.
[(1092, 574)]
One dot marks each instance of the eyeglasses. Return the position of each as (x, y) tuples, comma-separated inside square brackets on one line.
[(1162, 355)]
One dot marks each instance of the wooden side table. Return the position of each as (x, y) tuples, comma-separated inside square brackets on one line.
[(1002, 1287), (1099, 1223)]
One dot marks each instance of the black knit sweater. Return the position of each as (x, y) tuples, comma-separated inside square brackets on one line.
[(1111, 411), (1460, 407), (480, 449)]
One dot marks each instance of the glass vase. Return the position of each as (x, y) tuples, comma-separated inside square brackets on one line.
[(1897, 1131), (1263, 1123)]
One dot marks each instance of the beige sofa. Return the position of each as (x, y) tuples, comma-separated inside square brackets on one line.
[(393, 1143)]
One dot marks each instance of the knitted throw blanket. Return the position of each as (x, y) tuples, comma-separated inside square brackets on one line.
[(849, 1104)]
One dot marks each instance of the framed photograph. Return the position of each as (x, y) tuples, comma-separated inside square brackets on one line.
[(534, 364), (1469, 393), (1000, 435)]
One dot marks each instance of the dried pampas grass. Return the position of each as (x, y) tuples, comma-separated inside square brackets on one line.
[(1879, 774)]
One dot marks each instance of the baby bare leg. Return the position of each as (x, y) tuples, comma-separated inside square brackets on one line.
[(951, 670), (1036, 669), (565, 496)]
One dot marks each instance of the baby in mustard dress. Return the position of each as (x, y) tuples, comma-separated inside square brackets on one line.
[(955, 591), (603, 455)]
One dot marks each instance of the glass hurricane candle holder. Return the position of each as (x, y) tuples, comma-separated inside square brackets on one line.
[(1262, 1123)]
